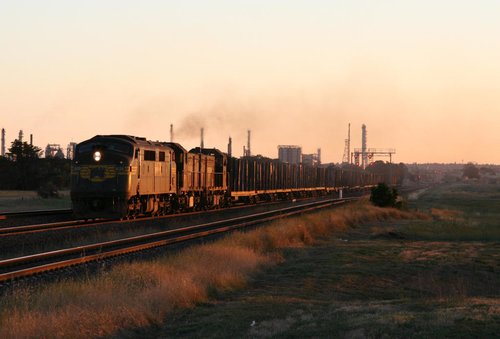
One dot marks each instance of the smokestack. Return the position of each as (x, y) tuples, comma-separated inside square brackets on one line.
[(171, 133), (31, 139), (249, 152), (20, 136), (364, 155), (349, 144), (319, 156), (347, 147), (244, 151), (230, 147), (202, 144), (3, 142)]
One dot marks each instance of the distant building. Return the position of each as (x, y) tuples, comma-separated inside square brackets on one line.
[(290, 154), (59, 154), (54, 151), (313, 159), (309, 159), (70, 151)]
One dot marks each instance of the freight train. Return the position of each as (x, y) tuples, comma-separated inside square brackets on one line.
[(121, 176)]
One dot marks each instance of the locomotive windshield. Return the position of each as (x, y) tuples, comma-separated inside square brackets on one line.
[(109, 146)]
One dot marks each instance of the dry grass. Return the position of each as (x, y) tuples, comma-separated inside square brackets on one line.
[(143, 293), (447, 214)]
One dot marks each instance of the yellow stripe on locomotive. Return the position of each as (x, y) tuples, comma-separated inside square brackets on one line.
[(100, 173)]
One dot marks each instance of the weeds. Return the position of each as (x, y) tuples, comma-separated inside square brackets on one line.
[(145, 293)]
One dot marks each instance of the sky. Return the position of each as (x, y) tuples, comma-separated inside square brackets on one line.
[(424, 76)]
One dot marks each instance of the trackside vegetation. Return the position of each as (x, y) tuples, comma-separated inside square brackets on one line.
[(383, 195), (358, 271), (142, 294), (425, 277)]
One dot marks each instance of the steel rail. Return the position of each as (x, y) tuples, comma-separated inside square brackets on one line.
[(82, 254), (40, 227), (62, 225), (65, 225), (6, 215), (71, 224)]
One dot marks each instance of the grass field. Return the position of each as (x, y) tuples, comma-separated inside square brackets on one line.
[(438, 277), (354, 272), (20, 201)]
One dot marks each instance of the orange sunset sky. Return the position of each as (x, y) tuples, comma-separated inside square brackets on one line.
[(424, 76)]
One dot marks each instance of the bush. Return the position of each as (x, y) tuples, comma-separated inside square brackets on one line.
[(470, 171), (384, 196)]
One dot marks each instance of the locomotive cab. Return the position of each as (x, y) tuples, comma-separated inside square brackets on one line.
[(122, 176), (100, 176)]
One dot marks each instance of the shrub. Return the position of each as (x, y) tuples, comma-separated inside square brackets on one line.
[(384, 196)]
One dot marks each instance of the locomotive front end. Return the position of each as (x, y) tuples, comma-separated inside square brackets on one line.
[(100, 177)]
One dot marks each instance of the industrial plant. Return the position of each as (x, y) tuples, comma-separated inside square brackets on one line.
[(291, 154), (51, 150), (365, 154)]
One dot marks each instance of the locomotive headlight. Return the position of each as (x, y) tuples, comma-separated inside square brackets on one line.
[(97, 155)]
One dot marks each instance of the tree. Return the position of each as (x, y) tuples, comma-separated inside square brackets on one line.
[(9, 174), (384, 196), (392, 174), (22, 150), (470, 171), (23, 169)]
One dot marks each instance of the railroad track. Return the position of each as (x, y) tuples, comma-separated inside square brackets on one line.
[(20, 267), (27, 229), (12, 219), (30, 214), (75, 224)]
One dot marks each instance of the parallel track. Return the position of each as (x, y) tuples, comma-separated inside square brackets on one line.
[(20, 267), (38, 213), (18, 230), (74, 224)]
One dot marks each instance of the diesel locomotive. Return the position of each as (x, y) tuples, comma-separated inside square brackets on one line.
[(121, 176)]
